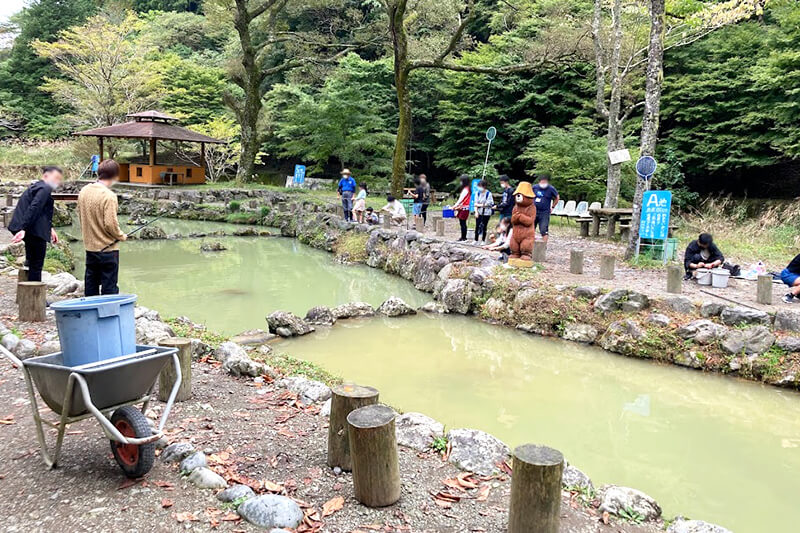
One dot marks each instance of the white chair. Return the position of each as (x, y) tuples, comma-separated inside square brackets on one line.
[(559, 209), (569, 209), (595, 205), (581, 210)]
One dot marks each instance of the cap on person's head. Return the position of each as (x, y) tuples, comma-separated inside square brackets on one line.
[(504, 178), (544, 177), (345, 172), (52, 168), (705, 239), (108, 170)]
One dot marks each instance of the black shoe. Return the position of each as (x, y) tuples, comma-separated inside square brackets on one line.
[(687, 277), (789, 298)]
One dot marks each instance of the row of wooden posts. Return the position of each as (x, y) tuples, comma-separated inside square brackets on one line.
[(362, 439)]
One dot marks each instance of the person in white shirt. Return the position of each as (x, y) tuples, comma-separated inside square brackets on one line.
[(394, 209)]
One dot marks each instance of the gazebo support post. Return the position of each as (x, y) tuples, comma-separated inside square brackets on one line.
[(203, 157), (100, 142), (152, 152)]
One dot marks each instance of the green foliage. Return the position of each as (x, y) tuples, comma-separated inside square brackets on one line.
[(631, 515), (669, 176), (166, 5), (234, 206), (59, 258), (439, 444), (291, 366), (351, 247)]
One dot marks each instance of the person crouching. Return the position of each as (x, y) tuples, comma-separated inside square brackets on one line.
[(97, 209)]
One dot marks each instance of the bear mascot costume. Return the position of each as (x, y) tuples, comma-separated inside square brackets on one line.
[(522, 219)]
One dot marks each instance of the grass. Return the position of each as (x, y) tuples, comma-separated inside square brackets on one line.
[(291, 366), (66, 154), (351, 247), (59, 259)]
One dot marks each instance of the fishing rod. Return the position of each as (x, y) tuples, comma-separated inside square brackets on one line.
[(134, 231), (729, 299)]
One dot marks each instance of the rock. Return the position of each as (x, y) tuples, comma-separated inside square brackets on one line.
[(690, 358), (589, 292), (496, 308), (787, 320), (475, 451), (307, 390), (575, 478), (395, 306), (25, 349), (253, 337), (616, 499), (320, 315), (287, 324), (10, 342), (702, 331), (417, 431), (527, 298), (215, 246), (621, 299), (58, 280), (66, 288), (177, 452), (152, 331), (621, 337), (353, 310), (325, 410), (152, 233), (228, 350), (49, 347), (709, 309), (143, 312), (206, 478), (679, 304), (579, 332), (456, 296), (193, 461), (789, 344), (244, 366), (271, 511), (235, 492), (735, 316), (657, 319), (433, 307), (682, 525), (751, 341), (787, 380)]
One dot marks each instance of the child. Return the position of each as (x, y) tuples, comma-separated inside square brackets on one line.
[(394, 209), (360, 204), (419, 198), (484, 205), (372, 217), (791, 277)]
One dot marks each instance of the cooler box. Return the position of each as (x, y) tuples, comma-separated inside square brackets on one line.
[(96, 328), (448, 212)]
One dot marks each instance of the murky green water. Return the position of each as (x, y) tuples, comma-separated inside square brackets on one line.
[(710, 447), (233, 290)]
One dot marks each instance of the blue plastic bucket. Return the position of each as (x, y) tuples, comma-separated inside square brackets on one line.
[(448, 213), (96, 328)]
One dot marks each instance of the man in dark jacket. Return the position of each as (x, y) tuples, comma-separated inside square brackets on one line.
[(507, 200), (701, 253), (33, 220)]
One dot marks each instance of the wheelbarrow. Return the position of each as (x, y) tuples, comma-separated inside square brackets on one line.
[(107, 390)]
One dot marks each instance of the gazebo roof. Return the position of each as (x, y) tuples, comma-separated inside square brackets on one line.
[(150, 125)]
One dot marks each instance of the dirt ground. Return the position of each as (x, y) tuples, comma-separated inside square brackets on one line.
[(259, 435)]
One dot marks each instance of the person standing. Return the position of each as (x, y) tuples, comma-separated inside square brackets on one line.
[(546, 199), (97, 209), (426, 197), (484, 204), (507, 200), (360, 204), (347, 188), (462, 206), (419, 199), (33, 220)]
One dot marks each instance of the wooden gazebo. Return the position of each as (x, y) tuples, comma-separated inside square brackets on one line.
[(155, 126)]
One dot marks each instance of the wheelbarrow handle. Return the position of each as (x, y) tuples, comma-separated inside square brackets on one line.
[(13, 358)]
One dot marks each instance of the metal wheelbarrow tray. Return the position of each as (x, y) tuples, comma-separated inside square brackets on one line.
[(105, 390)]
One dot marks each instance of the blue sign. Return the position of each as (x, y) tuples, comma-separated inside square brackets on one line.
[(299, 173), (473, 192), (95, 162), (654, 223)]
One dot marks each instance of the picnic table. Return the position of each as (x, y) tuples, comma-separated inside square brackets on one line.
[(609, 215)]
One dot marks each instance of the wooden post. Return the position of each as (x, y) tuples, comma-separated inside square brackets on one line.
[(152, 152), (22, 275), (345, 399), (203, 162), (100, 145), (9, 200), (764, 290), (440, 227), (387, 221), (419, 225), (674, 279), (539, 251), (167, 377), (340, 211), (373, 448), (31, 296), (607, 266), (585, 229), (535, 490), (7, 216), (576, 261)]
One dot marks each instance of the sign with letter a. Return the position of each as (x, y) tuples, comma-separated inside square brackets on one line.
[(654, 223)]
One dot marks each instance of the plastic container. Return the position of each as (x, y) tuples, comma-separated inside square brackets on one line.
[(703, 276), (719, 278), (448, 212), (96, 328)]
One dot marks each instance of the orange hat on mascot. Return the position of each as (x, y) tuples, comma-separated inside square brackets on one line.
[(525, 189)]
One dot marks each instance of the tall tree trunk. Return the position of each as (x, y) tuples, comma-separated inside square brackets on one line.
[(401, 72), (652, 107), (614, 138)]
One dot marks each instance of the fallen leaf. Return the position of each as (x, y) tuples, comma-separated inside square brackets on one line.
[(269, 486), (128, 483), (166, 503), (231, 517), (605, 517), (7, 420), (332, 505), (164, 484), (185, 517), (286, 433), (483, 493)]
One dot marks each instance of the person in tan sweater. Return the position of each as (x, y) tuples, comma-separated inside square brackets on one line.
[(97, 209)]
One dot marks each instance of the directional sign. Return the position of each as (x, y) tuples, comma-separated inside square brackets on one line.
[(656, 206), (299, 174), (473, 192)]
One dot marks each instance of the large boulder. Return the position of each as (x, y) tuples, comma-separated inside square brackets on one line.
[(417, 431), (353, 310), (25, 349), (621, 337), (615, 499), (702, 331), (682, 525), (153, 232), (689, 358), (425, 274), (152, 331), (589, 292), (395, 306), (736, 316), (320, 315), (308, 391), (57, 280), (456, 296), (244, 366), (235, 492), (205, 478), (657, 319), (271, 511), (177, 452), (787, 320), (789, 344), (621, 300), (287, 324), (572, 477), (578, 332), (679, 304), (710, 309), (10, 342), (751, 341), (527, 298), (228, 350), (476, 451)]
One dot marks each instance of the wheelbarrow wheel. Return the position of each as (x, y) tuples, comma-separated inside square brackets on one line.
[(134, 460)]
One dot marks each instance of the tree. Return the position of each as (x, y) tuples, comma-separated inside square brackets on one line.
[(107, 74), (219, 158), (143, 6)]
